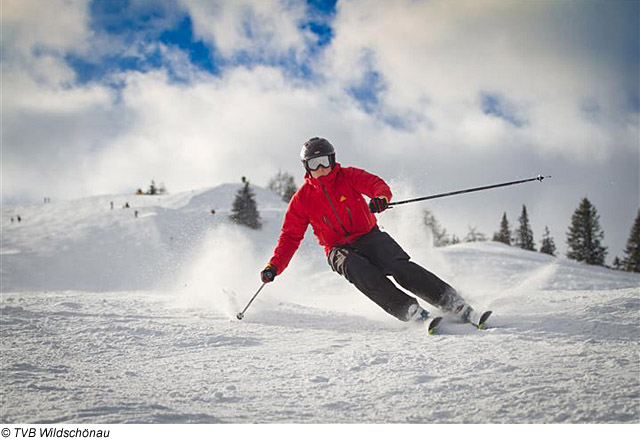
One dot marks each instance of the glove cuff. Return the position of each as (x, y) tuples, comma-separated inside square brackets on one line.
[(270, 266)]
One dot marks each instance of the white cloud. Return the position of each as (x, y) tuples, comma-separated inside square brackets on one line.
[(48, 135), (33, 40), (437, 57), (248, 122), (48, 124), (260, 27), (29, 23)]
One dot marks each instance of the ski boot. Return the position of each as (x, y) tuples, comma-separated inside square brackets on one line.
[(465, 313)]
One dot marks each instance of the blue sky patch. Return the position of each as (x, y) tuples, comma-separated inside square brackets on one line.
[(322, 13), (140, 27), (120, 17), (368, 90), (368, 95), (200, 54), (496, 105)]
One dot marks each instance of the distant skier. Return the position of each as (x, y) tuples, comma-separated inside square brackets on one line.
[(331, 200)]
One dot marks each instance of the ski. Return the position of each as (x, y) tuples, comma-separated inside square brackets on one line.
[(482, 321), (433, 325)]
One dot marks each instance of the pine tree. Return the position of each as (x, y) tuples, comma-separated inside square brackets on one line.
[(548, 245), (524, 234), (617, 264), (584, 237), (244, 209), (631, 260), (473, 235), (440, 236), (504, 234), (153, 189), (289, 192), (284, 185)]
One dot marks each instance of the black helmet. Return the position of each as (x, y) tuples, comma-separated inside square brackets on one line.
[(316, 147)]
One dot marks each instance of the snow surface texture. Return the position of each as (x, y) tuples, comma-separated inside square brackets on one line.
[(109, 318)]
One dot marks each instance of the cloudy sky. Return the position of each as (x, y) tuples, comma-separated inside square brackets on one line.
[(102, 96)]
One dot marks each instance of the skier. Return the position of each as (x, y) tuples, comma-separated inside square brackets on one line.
[(331, 200)]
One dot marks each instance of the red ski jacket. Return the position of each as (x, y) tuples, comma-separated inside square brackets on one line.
[(334, 206)]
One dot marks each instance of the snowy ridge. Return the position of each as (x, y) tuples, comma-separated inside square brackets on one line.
[(108, 318)]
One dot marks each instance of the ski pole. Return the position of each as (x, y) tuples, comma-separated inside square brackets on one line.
[(241, 314), (539, 178)]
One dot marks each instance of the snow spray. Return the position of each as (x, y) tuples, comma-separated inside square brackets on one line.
[(220, 270)]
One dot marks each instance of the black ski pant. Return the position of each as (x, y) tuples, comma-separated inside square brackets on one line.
[(368, 262)]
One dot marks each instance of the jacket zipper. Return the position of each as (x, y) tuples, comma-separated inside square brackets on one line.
[(349, 215), (326, 220), (334, 209)]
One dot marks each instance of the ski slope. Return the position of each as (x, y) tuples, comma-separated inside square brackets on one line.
[(109, 318)]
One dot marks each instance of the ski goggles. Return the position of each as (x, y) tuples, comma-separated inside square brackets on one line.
[(316, 162)]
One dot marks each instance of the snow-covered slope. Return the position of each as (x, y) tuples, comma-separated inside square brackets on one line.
[(86, 245), (110, 318)]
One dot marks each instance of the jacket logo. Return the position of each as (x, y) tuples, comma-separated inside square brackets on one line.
[(343, 198)]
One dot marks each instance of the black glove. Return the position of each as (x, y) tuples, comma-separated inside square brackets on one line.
[(378, 204), (268, 273)]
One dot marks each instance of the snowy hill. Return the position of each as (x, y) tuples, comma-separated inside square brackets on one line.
[(86, 245), (109, 318)]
